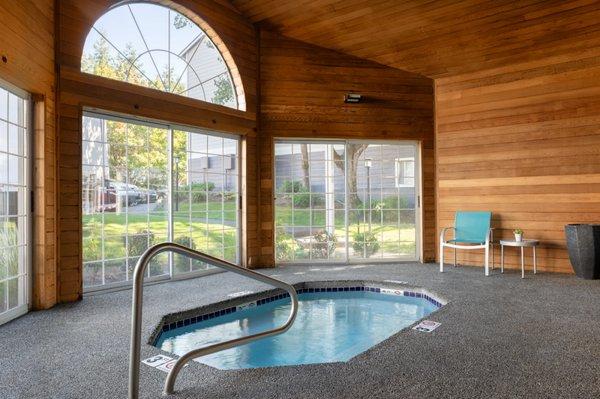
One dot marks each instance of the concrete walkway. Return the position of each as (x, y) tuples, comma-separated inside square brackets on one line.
[(501, 337)]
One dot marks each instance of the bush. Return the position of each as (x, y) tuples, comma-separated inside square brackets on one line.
[(9, 256), (199, 190), (323, 245), (182, 263), (365, 244), (284, 250), (138, 242), (301, 197)]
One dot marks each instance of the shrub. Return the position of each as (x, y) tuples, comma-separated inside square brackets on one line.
[(365, 243), (182, 263), (284, 249), (199, 190), (9, 256), (323, 244), (301, 196), (138, 242)]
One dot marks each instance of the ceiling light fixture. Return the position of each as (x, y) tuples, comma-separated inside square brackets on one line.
[(352, 98)]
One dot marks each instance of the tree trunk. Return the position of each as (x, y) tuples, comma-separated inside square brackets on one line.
[(305, 166), (353, 153)]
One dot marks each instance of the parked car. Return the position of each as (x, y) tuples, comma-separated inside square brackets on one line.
[(117, 193)]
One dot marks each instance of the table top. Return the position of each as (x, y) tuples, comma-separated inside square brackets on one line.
[(523, 243)]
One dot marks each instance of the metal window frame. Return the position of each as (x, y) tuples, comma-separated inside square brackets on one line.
[(25, 293), (201, 37), (418, 255), (170, 128)]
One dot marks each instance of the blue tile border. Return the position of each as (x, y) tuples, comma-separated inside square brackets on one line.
[(300, 291)]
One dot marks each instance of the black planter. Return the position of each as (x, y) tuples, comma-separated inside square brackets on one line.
[(583, 242)]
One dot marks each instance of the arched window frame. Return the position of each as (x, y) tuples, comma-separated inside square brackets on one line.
[(210, 34)]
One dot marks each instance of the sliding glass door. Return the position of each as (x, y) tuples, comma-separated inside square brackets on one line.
[(146, 183), (382, 201), (345, 201), (310, 201), (14, 203)]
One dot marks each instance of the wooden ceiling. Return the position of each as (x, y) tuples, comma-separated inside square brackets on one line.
[(435, 38)]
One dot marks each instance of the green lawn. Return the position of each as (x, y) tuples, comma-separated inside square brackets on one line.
[(392, 239), (212, 236)]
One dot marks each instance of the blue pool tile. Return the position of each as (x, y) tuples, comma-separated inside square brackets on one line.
[(180, 323)]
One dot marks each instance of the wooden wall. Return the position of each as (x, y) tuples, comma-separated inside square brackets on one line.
[(78, 90), (302, 89), (27, 61), (524, 142)]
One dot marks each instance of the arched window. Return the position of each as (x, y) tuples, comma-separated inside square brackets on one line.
[(155, 46)]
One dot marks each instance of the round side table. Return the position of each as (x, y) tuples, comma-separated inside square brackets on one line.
[(520, 244)]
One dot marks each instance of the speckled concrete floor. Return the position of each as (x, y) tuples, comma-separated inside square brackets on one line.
[(501, 337)]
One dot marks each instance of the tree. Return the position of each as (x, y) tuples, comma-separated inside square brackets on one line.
[(124, 160), (224, 92), (180, 21), (305, 166), (353, 153)]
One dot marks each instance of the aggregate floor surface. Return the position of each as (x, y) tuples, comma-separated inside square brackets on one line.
[(501, 337)]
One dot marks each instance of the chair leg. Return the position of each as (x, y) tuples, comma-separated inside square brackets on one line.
[(487, 260), (441, 257), (454, 257)]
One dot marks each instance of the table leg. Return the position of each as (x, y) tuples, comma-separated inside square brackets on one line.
[(492, 245), (522, 263), (534, 261), (501, 258)]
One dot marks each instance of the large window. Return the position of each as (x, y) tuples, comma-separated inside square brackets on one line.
[(147, 183), (345, 201), (14, 204), (154, 46)]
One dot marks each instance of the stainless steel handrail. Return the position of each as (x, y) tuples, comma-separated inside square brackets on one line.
[(136, 313)]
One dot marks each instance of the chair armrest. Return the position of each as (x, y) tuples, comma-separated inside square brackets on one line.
[(443, 233)]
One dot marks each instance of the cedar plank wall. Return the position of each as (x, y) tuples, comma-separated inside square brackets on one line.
[(27, 42), (522, 141), (77, 90), (302, 89)]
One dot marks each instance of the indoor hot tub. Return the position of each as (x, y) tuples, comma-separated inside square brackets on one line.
[(336, 321)]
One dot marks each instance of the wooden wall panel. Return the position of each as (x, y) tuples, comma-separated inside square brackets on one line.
[(524, 142), (27, 48), (435, 38), (302, 89), (78, 90)]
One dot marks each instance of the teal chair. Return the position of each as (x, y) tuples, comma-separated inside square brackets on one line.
[(472, 230)]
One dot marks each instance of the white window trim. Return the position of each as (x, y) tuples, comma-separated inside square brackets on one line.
[(26, 272), (171, 127), (397, 174)]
